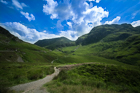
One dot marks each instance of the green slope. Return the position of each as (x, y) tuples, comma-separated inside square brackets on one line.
[(13, 49), (21, 62), (96, 78), (55, 43), (110, 32), (117, 42)]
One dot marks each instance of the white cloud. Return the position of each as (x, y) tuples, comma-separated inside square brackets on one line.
[(70, 24), (18, 5), (97, 1), (5, 2), (91, 17), (82, 15), (49, 8), (32, 35), (72, 35), (115, 20), (135, 23), (58, 11), (28, 16)]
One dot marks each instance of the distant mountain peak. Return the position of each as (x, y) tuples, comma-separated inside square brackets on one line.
[(55, 42), (100, 32)]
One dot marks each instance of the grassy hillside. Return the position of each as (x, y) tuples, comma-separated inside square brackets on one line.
[(55, 43), (116, 32), (96, 78), (115, 47), (13, 73), (21, 62), (117, 42), (127, 52), (13, 49)]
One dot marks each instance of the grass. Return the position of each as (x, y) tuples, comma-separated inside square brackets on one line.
[(85, 54), (28, 52), (18, 73), (116, 67), (125, 51), (77, 89), (96, 78)]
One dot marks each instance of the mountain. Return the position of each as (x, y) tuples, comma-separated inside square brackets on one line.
[(108, 33), (117, 42), (55, 43), (12, 49)]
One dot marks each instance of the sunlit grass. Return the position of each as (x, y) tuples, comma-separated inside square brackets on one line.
[(18, 73), (98, 78)]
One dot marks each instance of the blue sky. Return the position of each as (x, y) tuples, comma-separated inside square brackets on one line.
[(33, 20)]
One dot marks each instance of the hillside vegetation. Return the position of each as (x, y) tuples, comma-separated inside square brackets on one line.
[(96, 78), (114, 51), (108, 33), (55, 43), (13, 49), (21, 62), (117, 42)]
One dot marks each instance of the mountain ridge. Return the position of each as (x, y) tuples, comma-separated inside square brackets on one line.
[(55, 43), (12, 49), (97, 34), (100, 32)]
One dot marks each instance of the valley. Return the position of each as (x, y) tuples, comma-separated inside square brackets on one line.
[(109, 55)]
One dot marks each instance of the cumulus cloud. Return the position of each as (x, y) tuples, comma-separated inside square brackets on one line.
[(32, 35), (97, 1), (18, 5), (4, 2), (49, 8), (135, 23), (115, 20), (70, 24), (83, 16), (72, 35), (28, 16)]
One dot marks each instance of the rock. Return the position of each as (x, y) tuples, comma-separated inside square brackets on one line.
[(19, 59)]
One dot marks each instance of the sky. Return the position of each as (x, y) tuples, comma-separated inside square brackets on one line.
[(33, 20)]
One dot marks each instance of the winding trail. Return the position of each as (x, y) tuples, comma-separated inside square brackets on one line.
[(35, 86)]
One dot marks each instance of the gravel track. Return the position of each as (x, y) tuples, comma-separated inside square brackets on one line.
[(35, 86)]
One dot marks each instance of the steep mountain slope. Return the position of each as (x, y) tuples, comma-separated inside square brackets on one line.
[(108, 33), (119, 42), (12, 49), (55, 43)]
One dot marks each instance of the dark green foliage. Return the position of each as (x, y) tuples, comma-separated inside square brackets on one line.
[(62, 74), (55, 43), (100, 76), (112, 75), (17, 73), (127, 51), (12, 49), (8, 34), (100, 32)]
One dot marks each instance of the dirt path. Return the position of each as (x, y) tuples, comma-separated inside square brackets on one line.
[(35, 86)]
